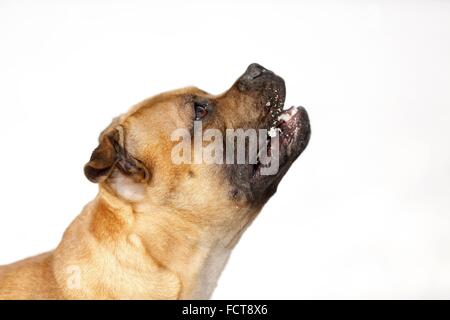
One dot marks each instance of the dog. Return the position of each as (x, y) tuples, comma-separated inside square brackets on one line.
[(159, 229)]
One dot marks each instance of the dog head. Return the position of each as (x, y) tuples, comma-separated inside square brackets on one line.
[(135, 156)]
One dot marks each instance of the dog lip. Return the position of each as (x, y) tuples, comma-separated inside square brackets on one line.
[(294, 125)]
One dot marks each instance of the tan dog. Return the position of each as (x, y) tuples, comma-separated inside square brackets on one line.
[(159, 230)]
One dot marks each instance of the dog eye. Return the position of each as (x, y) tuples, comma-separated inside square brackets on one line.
[(201, 110)]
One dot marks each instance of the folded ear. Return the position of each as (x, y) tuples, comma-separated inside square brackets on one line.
[(111, 154)]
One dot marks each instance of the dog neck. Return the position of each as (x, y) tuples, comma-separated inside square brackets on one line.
[(177, 251)]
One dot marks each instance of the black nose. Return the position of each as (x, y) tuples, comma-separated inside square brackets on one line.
[(254, 71)]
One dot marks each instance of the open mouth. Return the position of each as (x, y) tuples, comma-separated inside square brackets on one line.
[(290, 127), (287, 133), (291, 124)]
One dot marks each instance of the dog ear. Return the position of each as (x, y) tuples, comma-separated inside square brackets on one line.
[(111, 154)]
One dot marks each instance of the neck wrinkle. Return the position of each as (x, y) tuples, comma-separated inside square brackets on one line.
[(111, 217)]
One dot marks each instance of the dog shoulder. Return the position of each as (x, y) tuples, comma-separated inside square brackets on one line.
[(31, 278)]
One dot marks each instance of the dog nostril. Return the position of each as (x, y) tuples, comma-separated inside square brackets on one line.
[(255, 70), (254, 77)]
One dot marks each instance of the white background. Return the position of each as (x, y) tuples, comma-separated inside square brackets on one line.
[(363, 213)]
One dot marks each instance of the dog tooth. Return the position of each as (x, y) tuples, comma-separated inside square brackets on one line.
[(272, 132), (284, 117)]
